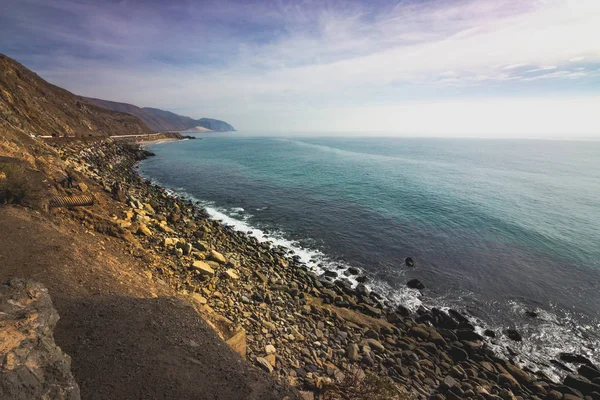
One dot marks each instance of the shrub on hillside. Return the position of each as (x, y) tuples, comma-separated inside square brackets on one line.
[(18, 184)]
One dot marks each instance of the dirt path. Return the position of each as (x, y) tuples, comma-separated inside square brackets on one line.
[(128, 337)]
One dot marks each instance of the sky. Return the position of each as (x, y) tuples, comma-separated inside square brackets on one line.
[(483, 68)]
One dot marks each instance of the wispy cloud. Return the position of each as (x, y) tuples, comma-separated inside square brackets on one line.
[(248, 61)]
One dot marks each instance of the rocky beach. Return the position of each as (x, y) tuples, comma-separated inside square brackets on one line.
[(317, 334), (112, 287)]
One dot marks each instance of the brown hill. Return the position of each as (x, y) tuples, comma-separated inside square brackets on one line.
[(161, 120), (155, 121), (31, 105)]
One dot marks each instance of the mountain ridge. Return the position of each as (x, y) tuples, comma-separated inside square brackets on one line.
[(161, 120)]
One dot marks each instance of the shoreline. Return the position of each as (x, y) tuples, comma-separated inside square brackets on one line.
[(429, 352), (543, 329)]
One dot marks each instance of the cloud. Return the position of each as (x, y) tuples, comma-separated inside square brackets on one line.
[(514, 66), (220, 58), (545, 68)]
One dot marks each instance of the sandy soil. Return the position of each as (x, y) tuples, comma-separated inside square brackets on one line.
[(129, 336)]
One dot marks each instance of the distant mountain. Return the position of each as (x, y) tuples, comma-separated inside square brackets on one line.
[(161, 120), (31, 105)]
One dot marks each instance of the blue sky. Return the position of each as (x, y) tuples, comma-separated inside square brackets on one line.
[(524, 68)]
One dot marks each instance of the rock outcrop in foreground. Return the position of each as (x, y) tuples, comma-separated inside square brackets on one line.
[(32, 366)]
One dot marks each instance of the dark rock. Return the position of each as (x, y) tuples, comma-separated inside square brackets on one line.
[(458, 316), (561, 366), (330, 274), (405, 312), (415, 284), (465, 334), (513, 335), (458, 354), (409, 262), (574, 358), (362, 289), (352, 271), (489, 333), (582, 384), (38, 369), (531, 314), (568, 390), (588, 372)]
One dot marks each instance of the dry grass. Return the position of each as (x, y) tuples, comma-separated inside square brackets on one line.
[(18, 184)]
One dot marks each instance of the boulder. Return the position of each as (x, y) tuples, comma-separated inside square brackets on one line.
[(32, 366)]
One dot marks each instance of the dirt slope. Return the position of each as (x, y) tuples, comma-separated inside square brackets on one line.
[(129, 337)]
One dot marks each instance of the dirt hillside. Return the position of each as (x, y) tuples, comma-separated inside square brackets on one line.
[(31, 105)]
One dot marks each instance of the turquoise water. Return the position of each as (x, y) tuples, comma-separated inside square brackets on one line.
[(497, 227)]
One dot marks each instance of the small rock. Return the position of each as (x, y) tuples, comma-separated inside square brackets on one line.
[(458, 354), (198, 299), (489, 333), (270, 349), (203, 268), (376, 345), (264, 364), (144, 230), (415, 284), (409, 262), (352, 352), (231, 274), (513, 335), (202, 245), (218, 257)]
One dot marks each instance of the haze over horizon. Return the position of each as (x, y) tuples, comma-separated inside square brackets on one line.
[(480, 68)]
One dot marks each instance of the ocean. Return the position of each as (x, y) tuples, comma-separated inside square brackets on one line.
[(507, 231)]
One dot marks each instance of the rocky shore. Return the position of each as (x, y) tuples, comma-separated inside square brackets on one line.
[(317, 333)]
